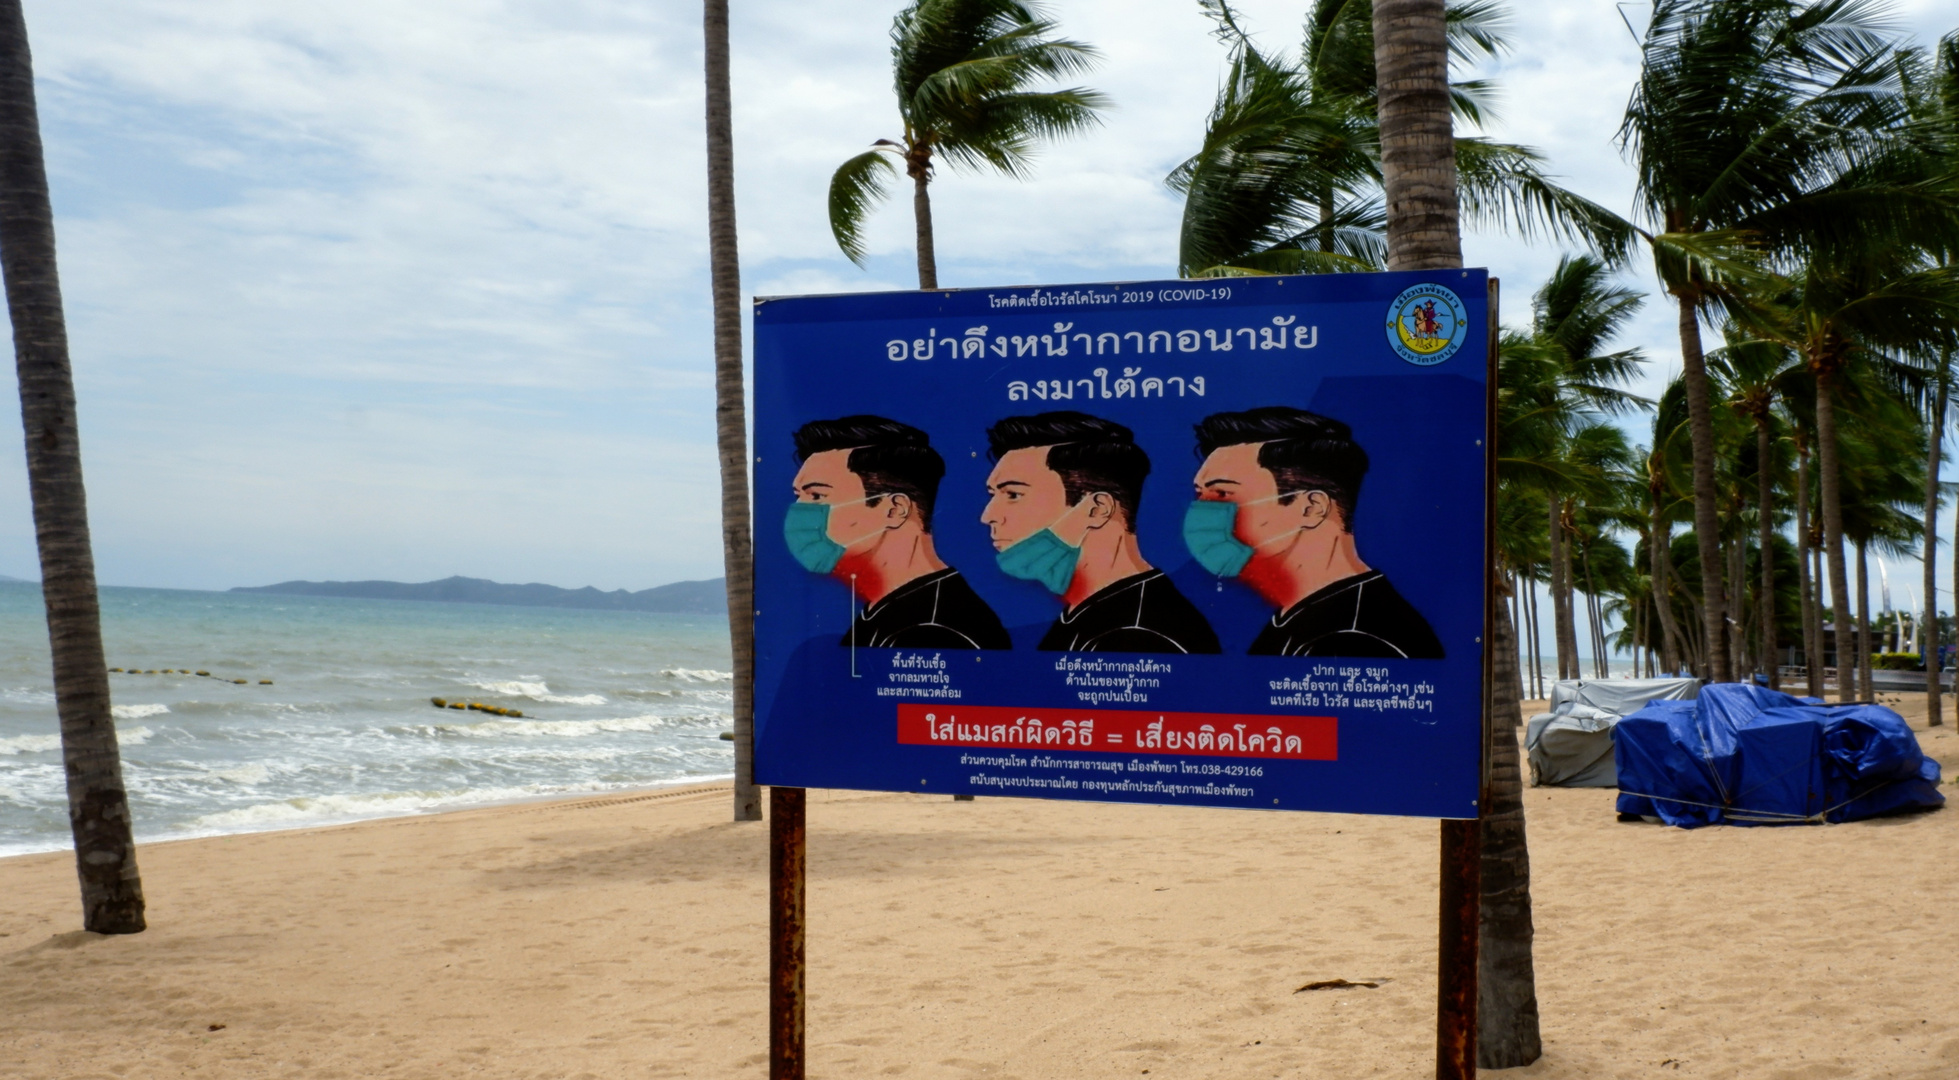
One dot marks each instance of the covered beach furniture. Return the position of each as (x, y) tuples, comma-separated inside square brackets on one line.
[(1571, 746), (1746, 755)]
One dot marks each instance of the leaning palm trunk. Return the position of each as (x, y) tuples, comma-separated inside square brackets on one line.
[(1707, 521), (98, 805), (1826, 467), (1928, 629), (1764, 538), (730, 410), (919, 166), (1418, 174)]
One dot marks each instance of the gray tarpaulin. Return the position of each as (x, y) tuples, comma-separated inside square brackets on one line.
[(1571, 746)]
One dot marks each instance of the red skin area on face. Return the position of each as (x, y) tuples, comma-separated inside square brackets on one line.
[(1025, 496), (885, 545), (1299, 544)]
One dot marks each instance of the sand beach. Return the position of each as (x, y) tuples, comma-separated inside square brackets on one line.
[(623, 936)]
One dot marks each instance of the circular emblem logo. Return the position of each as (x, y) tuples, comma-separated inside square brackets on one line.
[(1427, 324)]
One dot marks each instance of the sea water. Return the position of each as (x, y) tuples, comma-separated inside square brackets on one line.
[(346, 730)]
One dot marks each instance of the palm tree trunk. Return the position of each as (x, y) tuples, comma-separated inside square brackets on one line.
[(1826, 467), (1536, 642), (1765, 539), (1560, 619), (921, 208), (1864, 623), (1809, 583), (98, 804), (1418, 148), (1819, 573), (1418, 174), (1507, 1023), (1928, 627), (1325, 209), (1707, 520), (1594, 626), (1738, 582), (1656, 552), (730, 410)]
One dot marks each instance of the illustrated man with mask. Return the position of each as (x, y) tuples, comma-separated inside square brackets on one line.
[(1063, 497), (1275, 509), (863, 515)]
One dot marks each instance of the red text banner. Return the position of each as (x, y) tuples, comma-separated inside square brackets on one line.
[(1295, 738)]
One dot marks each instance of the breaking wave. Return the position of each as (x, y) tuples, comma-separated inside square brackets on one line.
[(567, 729), (137, 712), (538, 691), (698, 674), (30, 744), (43, 744)]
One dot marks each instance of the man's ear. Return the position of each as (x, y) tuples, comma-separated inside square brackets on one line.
[(897, 510), (1315, 507), (1102, 508)]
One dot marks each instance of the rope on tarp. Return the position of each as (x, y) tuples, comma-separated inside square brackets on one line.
[(1818, 818)]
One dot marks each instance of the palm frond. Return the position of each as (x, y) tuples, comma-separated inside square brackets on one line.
[(857, 186), (1503, 185)]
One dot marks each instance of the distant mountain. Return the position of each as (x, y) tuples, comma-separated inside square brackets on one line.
[(681, 597), (5, 580)]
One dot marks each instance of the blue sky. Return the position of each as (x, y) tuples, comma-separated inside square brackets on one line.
[(381, 290)]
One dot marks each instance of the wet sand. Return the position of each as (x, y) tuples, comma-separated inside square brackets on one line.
[(625, 936)]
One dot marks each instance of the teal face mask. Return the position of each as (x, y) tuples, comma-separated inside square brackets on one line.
[(806, 529), (1042, 557), (1211, 534)]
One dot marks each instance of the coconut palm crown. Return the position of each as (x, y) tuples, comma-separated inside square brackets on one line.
[(963, 70), (1288, 179)]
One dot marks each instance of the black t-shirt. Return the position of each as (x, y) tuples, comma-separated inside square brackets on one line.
[(1141, 613), (1356, 616), (936, 611)]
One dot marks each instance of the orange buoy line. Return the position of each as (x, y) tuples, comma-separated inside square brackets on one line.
[(184, 671), (477, 706)]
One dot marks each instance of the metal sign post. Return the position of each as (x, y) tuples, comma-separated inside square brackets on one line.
[(786, 877)]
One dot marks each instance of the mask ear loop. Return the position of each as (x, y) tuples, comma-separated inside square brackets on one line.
[(866, 536), (1275, 539)]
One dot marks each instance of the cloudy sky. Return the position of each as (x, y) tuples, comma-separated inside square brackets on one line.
[(383, 290)]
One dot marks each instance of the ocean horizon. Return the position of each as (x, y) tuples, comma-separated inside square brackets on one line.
[(344, 730)]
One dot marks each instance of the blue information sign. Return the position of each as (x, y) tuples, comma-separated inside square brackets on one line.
[(1209, 542)]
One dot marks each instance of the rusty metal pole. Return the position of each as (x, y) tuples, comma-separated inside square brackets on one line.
[(786, 851), (1459, 933), (1455, 1010)]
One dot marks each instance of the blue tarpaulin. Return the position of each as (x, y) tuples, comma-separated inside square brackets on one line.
[(1746, 755)]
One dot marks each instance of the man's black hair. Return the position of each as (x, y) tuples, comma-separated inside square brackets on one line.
[(891, 458), (1304, 451), (1089, 454)]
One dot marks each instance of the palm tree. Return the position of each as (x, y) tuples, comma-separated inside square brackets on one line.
[(1575, 315), (1752, 127), (962, 69), (1931, 86), (98, 804), (730, 409), (1757, 373), (1418, 168), (1288, 179), (1849, 312)]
